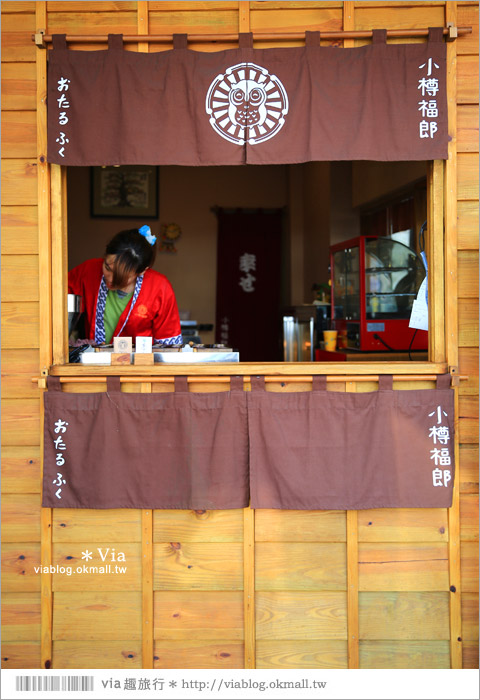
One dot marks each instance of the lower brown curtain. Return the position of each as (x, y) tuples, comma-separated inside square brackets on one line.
[(331, 450), (173, 450)]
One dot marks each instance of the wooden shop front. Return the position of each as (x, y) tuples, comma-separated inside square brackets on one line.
[(242, 588)]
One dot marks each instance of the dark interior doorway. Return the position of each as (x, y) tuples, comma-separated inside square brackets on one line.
[(249, 264)]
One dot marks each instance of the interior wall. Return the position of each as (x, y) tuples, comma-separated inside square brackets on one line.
[(186, 196), (316, 203), (372, 180)]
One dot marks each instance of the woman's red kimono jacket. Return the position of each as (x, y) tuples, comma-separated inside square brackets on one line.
[(152, 311)]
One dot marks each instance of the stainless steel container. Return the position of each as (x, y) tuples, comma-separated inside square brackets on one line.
[(74, 307)]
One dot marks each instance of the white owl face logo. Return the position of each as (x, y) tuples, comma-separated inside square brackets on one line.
[(246, 104)]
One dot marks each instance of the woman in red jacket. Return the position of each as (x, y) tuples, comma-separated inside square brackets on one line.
[(122, 295)]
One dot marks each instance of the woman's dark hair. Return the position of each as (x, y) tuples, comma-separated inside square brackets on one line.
[(133, 253)]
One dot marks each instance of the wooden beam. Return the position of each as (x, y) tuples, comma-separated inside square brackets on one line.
[(435, 258), (147, 515), (243, 16), (257, 36), (43, 184), (451, 333), (142, 24), (353, 641), (352, 589), (296, 370), (45, 325), (450, 203), (249, 586), (147, 588), (348, 22), (59, 282)]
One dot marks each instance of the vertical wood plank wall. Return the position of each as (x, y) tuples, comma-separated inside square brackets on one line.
[(228, 589)]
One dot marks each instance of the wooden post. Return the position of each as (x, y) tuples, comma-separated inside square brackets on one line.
[(435, 257), (147, 589), (353, 642), (45, 330), (451, 334), (59, 282), (243, 16), (147, 515), (348, 22), (249, 586)]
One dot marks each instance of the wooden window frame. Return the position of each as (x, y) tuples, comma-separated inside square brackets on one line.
[(436, 294)]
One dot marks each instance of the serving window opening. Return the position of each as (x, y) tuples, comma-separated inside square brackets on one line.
[(328, 245)]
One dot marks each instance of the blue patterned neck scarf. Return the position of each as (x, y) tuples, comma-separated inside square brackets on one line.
[(102, 300)]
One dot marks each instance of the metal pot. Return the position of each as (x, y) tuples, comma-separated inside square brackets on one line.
[(74, 307)]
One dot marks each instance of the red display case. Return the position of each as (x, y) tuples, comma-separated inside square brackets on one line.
[(375, 280)]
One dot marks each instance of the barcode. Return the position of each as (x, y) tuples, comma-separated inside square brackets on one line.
[(60, 683)]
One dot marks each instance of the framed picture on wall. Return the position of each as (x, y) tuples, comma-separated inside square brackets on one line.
[(124, 190)]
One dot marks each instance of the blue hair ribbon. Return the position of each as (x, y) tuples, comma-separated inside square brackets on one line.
[(146, 233)]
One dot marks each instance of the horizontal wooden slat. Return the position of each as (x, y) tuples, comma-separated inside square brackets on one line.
[(468, 406), (198, 566), (198, 614), (19, 181), (301, 654), (468, 430), (406, 16), (467, 80), (300, 566), (20, 421), (402, 615), (21, 517), (20, 617), (118, 22), (18, 562), (18, 368), (469, 468), (198, 526), (19, 86), (21, 469), (109, 615), (198, 653), (19, 230), (300, 526), (19, 134), (467, 16), (15, 268), (86, 6), (469, 566), (21, 655), (470, 616), (467, 178), (403, 525), (20, 325), (284, 20), (403, 654), (85, 525), (17, 7), (17, 44), (468, 274), (110, 574), (468, 323), (469, 517), (467, 128), (301, 615), (470, 655), (403, 567), (468, 365), (467, 225), (94, 654), (225, 22)]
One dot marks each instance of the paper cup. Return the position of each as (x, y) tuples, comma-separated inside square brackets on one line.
[(330, 338)]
